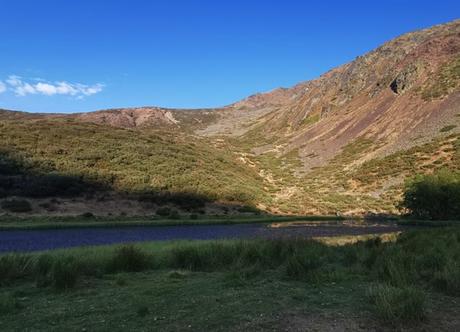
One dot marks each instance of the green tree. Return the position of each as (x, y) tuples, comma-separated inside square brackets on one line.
[(435, 196)]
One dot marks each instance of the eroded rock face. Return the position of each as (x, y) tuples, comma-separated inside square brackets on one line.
[(405, 79), (131, 118)]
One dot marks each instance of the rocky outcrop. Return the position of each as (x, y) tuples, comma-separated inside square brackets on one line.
[(131, 117), (405, 79)]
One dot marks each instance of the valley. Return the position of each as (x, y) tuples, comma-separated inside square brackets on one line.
[(331, 205), (343, 143)]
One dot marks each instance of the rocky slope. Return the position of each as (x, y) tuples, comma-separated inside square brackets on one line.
[(311, 146), (399, 95)]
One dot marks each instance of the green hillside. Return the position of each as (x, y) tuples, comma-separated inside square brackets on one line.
[(126, 161)]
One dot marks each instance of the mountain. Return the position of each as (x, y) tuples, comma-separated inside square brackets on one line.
[(344, 142)]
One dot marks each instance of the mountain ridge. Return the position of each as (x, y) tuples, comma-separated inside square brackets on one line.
[(311, 145)]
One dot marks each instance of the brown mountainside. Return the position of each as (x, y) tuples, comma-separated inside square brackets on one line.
[(399, 94)]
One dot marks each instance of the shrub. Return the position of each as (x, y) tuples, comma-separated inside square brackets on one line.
[(434, 196), (87, 215), (17, 205), (174, 215), (163, 212), (168, 212), (130, 259), (248, 209), (50, 185), (447, 128), (396, 305)]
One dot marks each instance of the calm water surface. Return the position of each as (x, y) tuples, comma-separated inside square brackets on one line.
[(34, 240)]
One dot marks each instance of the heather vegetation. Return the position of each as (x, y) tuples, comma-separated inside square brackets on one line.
[(340, 185), (445, 82), (66, 158)]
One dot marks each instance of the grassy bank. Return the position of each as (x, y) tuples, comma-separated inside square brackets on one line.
[(15, 223), (236, 284), (428, 223)]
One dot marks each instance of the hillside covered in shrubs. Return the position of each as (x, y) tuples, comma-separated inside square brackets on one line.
[(61, 158), (343, 143)]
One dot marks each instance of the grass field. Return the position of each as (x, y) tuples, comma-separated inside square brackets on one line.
[(411, 283)]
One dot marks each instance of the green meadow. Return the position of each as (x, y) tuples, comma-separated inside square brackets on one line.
[(411, 281)]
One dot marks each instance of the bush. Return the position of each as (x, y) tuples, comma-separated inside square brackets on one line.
[(130, 259), (434, 196), (50, 185), (17, 205), (248, 209), (87, 215), (447, 128), (163, 212), (168, 212), (396, 305), (174, 215)]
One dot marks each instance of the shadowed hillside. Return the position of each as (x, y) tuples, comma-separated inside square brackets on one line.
[(156, 167)]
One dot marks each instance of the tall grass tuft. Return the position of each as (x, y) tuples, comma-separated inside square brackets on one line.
[(303, 266), (448, 279), (64, 273), (396, 267), (15, 266), (129, 258), (43, 268), (398, 305)]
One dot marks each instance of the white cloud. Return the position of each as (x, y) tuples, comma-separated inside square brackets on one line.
[(14, 80), (2, 87), (22, 88)]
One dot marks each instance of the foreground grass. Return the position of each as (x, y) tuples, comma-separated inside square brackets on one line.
[(236, 285), (166, 301)]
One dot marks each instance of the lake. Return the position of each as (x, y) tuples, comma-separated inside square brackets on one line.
[(44, 239)]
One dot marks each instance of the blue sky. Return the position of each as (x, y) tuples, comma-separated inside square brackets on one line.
[(71, 56)]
